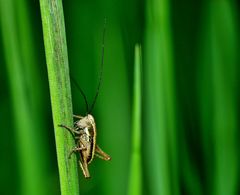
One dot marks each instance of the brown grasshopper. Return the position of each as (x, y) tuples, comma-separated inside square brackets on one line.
[(84, 130), (85, 133)]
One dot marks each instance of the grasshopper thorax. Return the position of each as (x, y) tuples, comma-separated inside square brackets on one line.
[(87, 121), (87, 127)]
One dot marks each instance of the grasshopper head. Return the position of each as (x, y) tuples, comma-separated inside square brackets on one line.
[(90, 118), (87, 121)]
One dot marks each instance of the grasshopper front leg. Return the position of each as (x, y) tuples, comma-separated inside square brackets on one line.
[(78, 116), (72, 130), (76, 149)]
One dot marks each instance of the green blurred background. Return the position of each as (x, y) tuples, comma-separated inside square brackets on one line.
[(190, 95)]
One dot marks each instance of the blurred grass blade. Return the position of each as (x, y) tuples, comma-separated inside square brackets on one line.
[(135, 178), (224, 69), (29, 57), (30, 151), (219, 89), (59, 82), (161, 142), (34, 87)]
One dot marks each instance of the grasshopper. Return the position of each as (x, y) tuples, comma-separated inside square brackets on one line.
[(85, 132)]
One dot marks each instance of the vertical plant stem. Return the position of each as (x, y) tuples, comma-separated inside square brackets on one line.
[(59, 82), (135, 178), (160, 101)]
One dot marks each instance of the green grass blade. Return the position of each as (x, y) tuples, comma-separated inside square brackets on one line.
[(29, 57), (160, 101), (224, 69), (59, 82), (29, 151), (34, 86), (218, 84), (135, 178)]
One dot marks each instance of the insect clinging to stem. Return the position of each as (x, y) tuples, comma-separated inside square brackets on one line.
[(84, 130)]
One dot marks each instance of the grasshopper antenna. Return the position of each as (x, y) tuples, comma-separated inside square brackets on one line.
[(101, 70), (81, 91)]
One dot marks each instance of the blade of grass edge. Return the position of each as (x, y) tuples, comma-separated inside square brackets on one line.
[(60, 92), (135, 177), (160, 114)]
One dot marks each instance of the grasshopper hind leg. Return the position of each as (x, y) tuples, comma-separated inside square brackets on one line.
[(100, 154)]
